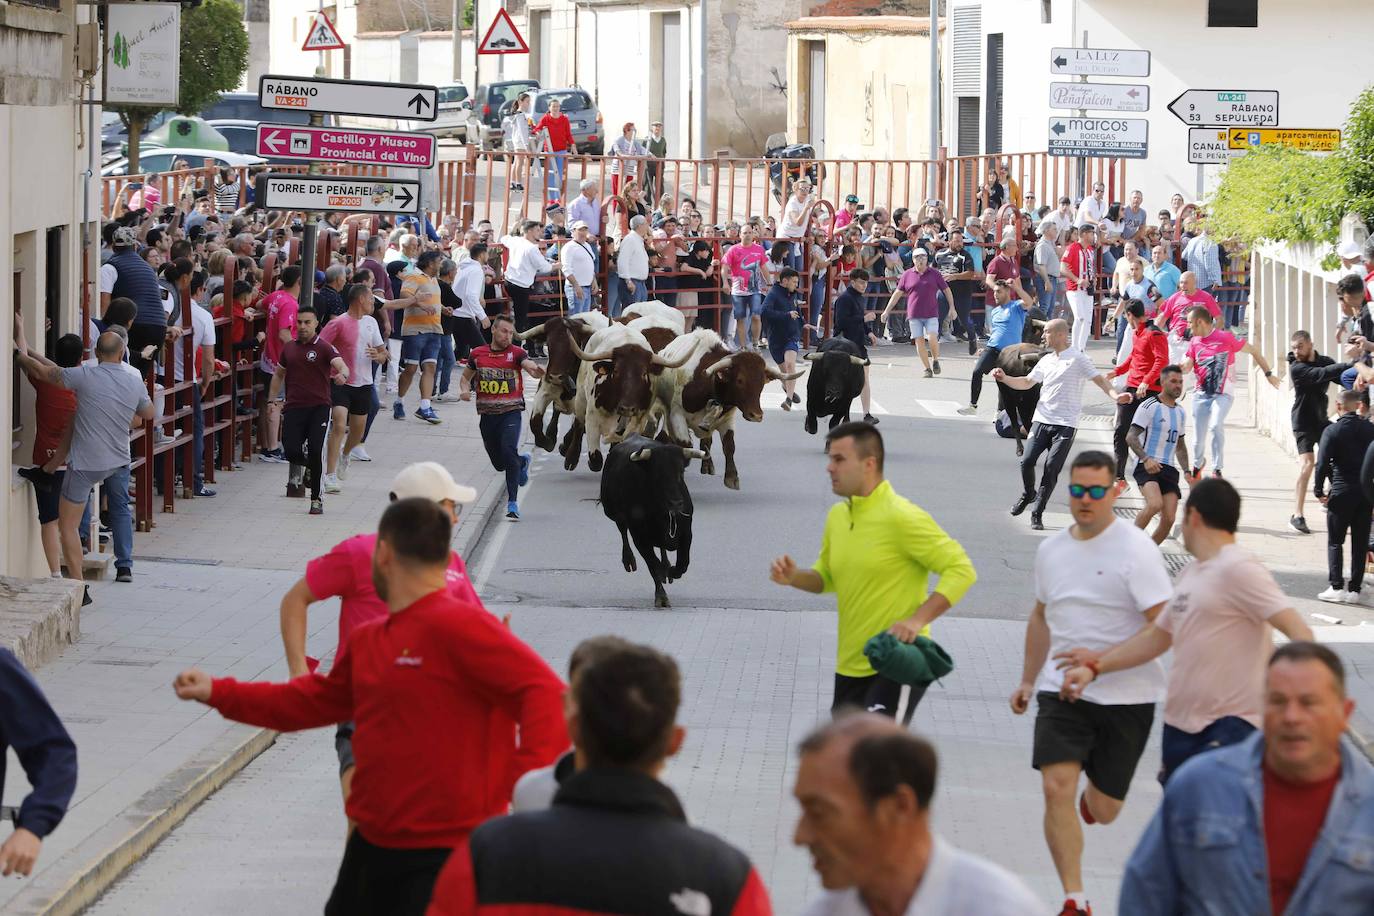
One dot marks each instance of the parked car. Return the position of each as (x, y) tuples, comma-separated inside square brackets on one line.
[(491, 103), (582, 113), (455, 117), (161, 160), (231, 105)]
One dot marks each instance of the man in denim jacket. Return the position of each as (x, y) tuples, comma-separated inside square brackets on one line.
[(1280, 824)]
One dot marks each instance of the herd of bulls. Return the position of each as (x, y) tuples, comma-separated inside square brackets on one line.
[(657, 395)]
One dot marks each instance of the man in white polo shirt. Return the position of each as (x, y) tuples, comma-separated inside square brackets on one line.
[(577, 261), (1061, 375)]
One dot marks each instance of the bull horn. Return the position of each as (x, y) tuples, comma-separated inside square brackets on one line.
[(690, 453), (588, 357), (641, 454), (814, 354), (858, 360), (672, 364), (530, 332), (721, 365), (783, 376)]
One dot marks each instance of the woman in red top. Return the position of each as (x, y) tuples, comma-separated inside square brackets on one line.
[(1149, 356), (54, 408), (560, 136)]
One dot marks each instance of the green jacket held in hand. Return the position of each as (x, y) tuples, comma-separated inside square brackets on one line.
[(917, 663)]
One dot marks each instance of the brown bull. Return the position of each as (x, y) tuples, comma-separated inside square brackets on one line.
[(559, 384)]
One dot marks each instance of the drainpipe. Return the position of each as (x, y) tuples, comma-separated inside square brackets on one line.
[(700, 129), (932, 191)]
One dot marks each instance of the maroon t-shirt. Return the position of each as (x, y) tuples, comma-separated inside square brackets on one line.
[(1003, 268), (307, 373)]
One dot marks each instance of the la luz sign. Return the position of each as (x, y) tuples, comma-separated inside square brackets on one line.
[(337, 192), (1099, 62), (350, 97), (337, 144)]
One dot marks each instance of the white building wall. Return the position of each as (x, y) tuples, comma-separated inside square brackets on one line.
[(1185, 54), (290, 22)]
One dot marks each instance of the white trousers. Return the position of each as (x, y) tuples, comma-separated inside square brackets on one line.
[(1081, 304)]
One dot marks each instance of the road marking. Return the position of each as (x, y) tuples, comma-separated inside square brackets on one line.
[(498, 543), (945, 410), (771, 399)]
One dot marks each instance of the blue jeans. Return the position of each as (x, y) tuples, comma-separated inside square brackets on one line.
[(745, 307), (554, 171), (1209, 422), (579, 297), (613, 294), (501, 438), (446, 362), (376, 403), (197, 440), (1047, 294), (817, 300), (1348, 378), (1180, 746), (631, 292), (116, 488)]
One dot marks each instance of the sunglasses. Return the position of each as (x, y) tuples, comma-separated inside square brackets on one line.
[(1078, 491)]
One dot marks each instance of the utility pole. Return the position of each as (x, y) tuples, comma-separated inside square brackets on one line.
[(933, 190)]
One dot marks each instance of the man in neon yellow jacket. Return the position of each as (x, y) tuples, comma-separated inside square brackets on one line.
[(877, 554)]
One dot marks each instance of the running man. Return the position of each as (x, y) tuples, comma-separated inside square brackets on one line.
[(1008, 323), (305, 368), (1156, 439), (501, 404), (422, 330), (359, 341), (1311, 373), (1097, 583), (877, 554), (1211, 354), (1061, 375), (440, 690), (1145, 360), (346, 573)]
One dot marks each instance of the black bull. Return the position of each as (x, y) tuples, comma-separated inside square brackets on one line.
[(1017, 361), (837, 378), (644, 492)]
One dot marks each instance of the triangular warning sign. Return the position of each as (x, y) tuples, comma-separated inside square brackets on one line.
[(322, 35), (503, 37)]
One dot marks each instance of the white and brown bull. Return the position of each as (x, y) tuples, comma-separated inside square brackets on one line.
[(655, 308), (658, 330), (615, 390), (710, 387), (559, 384)]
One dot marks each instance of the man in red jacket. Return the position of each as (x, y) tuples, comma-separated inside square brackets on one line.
[(427, 687), (615, 839), (1149, 356)]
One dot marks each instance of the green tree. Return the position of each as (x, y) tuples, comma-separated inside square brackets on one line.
[(214, 56), (1279, 194), (1356, 157)]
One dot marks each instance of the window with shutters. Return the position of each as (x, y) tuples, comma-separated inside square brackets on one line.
[(968, 27), (968, 126), (992, 128), (1233, 14)]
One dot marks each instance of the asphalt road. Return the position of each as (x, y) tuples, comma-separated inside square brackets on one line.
[(757, 661)]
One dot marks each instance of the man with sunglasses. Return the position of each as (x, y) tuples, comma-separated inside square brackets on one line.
[(1061, 374), (1097, 583)]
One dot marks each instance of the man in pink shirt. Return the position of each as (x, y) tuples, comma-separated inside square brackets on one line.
[(346, 573), (1173, 314), (1210, 355), (281, 307), (1218, 623)]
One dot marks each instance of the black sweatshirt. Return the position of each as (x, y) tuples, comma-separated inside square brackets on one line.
[(1309, 389), (1345, 458), (45, 750)]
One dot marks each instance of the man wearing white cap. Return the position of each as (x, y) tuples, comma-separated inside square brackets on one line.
[(577, 261), (1352, 258), (346, 573)]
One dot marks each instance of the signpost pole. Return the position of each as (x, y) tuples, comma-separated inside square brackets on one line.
[(309, 237), (1200, 168), (1081, 179), (501, 58)]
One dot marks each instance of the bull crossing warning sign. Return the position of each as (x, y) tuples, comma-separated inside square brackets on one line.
[(1310, 140)]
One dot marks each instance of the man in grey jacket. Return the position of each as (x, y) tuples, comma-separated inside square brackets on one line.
[(1276, 824)]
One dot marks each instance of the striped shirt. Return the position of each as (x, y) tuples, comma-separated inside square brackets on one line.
[(227, 197), (1163, 428)]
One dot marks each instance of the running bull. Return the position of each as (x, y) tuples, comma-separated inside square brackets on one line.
[(644, 492), (559, 384), (837, 378)]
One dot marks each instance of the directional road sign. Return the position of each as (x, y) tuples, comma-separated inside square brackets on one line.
[(1312, 140), (1100, 96), (1124, 138), (322, 36), (337, 144), (351, 97), (1227, 108), (1209, 146), (1099, 62), (503, 37), (282, 191)]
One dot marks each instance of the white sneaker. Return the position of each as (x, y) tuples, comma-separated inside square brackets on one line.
[(1356, 598), (359, 453), (344, 459), (331, 484), (445, 398), (1336, 595)]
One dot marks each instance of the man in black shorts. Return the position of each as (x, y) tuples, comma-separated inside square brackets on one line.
[(305, 368), (359, 340), (1098, 581), (1156, 438), (1310, 373)]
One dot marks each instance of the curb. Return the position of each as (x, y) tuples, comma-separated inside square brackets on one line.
[(102, 858)]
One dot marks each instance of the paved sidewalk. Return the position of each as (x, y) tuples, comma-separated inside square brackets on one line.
[(206, 590)]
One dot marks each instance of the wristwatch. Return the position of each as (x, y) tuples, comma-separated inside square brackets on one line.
[(1268, 373)]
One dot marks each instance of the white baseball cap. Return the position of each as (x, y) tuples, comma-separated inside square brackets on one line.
[(1350, 250), (430, 480)]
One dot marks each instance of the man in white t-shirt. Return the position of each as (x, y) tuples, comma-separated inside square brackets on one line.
[(1093, 209), (1061, 375), (359, 340), (865, 786), (1097, 583), (202, 371)]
